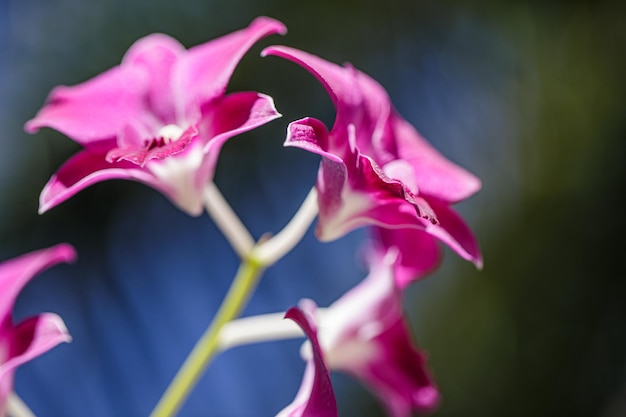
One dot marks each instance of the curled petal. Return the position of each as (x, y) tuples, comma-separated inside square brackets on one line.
[(226, 117), (354, 95), (17, 272), (33, 337), (315, 398), (311, 135), (234, 114), (84, 169)]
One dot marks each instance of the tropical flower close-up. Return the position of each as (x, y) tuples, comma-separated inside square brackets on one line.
[(160, 117)]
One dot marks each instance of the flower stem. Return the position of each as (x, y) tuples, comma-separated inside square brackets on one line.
[(256, 329), (255, 259), (227, 221), (208, 345), (18, 408), (278, 246)]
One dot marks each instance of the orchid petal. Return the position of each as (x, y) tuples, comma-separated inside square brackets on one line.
[(237, 113), (365, 334), (156, 54), (203, 73), (419, 253), (96, 109), (353, 193), (229, 116), (454, 232), (399, 377), (17, 272), (140, 156), (315, 398), (358, 99), (340, 83), (33, 336), (311, 135), (84, 169), (436, 176)]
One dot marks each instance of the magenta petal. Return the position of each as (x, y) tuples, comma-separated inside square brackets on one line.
[(419, 253), (156, 54), (315, 397), (358, 99), (203, 73), (311, 135), (361, 194), (399, 376), (229, 116), (454, 232), (339, 85), (157, 149), (84, 169), (96, 109), (234, 114), (365, 334), (17, 272), (33, 337), (436, 176)]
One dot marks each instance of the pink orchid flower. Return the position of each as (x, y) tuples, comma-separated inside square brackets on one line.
[(315, 398), (160, 117), (376, 169), (365, 334), (33, 336)]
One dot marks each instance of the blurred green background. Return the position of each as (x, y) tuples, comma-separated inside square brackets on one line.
[(529, 95)]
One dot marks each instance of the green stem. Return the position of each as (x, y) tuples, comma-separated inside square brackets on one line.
[(208, 346)]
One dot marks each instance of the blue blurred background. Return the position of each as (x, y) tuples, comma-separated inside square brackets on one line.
[(526, 94)]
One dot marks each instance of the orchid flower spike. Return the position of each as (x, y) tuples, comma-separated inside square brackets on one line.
[(30, 338), (376, 169), (160, 117)]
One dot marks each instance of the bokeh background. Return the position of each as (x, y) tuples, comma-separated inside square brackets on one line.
[(529, 95)]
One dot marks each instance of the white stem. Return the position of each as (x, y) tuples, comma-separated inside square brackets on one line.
[(17, 408), (279, 245), (256, 329), (227, 221)]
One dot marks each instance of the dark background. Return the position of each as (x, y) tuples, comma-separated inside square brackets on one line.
[(526, 94)]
